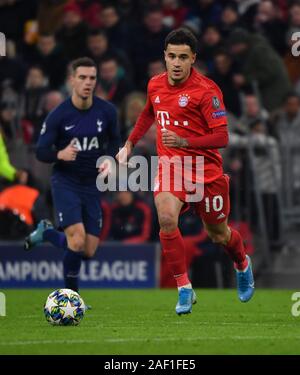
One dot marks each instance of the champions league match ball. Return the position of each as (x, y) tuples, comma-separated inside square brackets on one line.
[(64, 307)]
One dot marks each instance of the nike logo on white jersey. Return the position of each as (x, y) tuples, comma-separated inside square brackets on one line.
[(69, 127), (157, 100), (221, 216)]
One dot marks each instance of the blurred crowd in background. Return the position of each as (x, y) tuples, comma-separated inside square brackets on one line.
[(245, 46)]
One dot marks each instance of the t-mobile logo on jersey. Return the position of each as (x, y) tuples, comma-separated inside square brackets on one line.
[(163, 118)]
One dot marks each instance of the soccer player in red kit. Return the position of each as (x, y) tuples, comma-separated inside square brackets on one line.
[(191, 120)]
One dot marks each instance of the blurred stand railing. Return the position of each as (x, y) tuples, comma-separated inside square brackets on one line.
[(256, 168)]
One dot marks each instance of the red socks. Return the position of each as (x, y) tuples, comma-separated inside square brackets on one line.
[(174, 250), (236, 250)]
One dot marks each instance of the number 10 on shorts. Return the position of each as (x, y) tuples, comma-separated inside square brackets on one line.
[(215, 204)]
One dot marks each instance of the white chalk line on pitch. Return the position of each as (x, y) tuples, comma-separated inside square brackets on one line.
[(212, 338), (44, 342)]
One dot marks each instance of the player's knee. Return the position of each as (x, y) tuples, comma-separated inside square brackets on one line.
[(76, 242), (218, 238), (167, 222)]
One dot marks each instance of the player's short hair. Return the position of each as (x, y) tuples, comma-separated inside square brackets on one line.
[(182, 36), (82, 61)]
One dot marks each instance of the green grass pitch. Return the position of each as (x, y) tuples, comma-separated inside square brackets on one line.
[(144, 322)]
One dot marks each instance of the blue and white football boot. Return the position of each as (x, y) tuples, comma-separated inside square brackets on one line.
[(245, 282), (36, 237), (186, 299)]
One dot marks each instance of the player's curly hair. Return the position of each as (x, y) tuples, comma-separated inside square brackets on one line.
[(182, 36)]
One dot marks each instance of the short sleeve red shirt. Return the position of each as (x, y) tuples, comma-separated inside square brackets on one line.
[(191, 109)]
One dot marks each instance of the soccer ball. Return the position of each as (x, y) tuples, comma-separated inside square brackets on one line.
[(64, 307)]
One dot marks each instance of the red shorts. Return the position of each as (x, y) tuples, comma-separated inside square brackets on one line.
[(214, 207)]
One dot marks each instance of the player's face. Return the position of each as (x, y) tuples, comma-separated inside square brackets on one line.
[(179, 60), (83, 81)]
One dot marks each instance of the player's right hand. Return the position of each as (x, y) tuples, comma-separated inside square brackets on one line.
[(69, 153), (123, 155)]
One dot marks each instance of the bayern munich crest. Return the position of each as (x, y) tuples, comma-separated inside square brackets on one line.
[(183, 100)]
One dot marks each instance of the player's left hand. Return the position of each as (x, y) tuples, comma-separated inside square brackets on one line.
[(105, 168), (171, 139)]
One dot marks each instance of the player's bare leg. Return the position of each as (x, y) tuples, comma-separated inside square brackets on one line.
[(75, 237), (90, 246), (168, 209), (232, 242)]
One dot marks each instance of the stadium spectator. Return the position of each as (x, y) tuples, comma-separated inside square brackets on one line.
[(267, 167), (98, 46), (269, 24), (73, 32), (49, 55), (12, 71), (8, 121), (116, 30), (294, 18), (247, 10), (113, 85), (260, 65), (174, 13), (252, 111), (287, 128), (287, 120), (148, 41), (211, 43), (223, 75), (50, 15), (229, 19), (130, 219), (41, 171), (32, 100), (208, 11), (52, 100), (90, 11)]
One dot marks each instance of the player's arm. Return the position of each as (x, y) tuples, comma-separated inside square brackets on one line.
[(142, 125), (45, 150), (217, 139), (213, 109)]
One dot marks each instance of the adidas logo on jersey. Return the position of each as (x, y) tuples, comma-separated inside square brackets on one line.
[(157, 100), (221, 216)]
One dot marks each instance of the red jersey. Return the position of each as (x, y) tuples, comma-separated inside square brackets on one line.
[(191, 109)]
